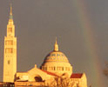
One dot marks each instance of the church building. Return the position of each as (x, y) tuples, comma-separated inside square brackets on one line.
[(55, 71)]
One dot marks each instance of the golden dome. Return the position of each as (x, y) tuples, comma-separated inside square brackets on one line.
[(56, 62), (56, 56)]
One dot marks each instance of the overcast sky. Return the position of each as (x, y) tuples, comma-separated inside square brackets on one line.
[(81, 27)]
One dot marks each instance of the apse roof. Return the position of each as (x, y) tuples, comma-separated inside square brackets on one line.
[(76, 75)]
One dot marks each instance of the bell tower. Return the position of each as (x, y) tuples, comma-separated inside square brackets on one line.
[(10, 51)]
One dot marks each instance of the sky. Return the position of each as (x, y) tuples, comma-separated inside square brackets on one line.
[(81, 27)]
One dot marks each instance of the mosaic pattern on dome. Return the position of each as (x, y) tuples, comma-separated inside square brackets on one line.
[(56, 56)]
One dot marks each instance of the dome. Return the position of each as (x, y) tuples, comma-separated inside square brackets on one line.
[(56, 56), (56, 62)]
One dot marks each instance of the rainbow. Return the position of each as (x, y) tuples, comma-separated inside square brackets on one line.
[(90, 44)]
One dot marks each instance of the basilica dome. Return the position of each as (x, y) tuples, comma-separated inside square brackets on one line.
[(56, 56), (56, 62)]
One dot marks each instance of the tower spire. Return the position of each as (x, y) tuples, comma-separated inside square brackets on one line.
[(10, 9), (11, 17), (56, 48)]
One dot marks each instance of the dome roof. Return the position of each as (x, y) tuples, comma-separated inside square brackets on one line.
[(56, 62), (56, 56)]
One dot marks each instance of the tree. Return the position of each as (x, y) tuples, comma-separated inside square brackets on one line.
[(63, 81)]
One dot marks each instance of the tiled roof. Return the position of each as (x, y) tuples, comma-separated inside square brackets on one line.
[(50, 73), (76, 75)]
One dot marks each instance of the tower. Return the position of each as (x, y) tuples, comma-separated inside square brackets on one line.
[(10, 51)]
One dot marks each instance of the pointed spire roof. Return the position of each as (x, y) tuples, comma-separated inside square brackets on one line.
[(56, 48), (11, 16)]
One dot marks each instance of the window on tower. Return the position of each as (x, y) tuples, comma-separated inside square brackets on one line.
[(10, 29), (8, 61), (9, 42), (8, 50)]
